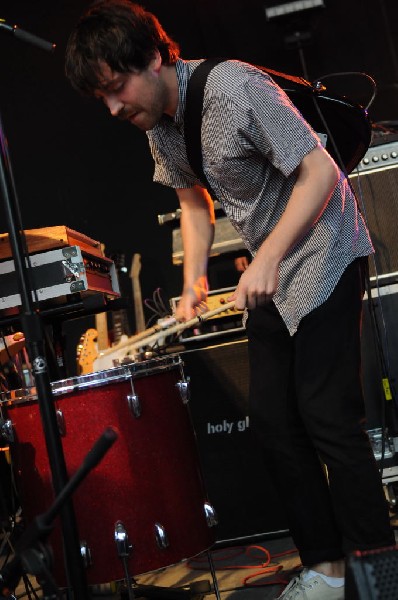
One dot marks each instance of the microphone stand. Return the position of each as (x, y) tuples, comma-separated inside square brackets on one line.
[(33, 331), (32, 555)]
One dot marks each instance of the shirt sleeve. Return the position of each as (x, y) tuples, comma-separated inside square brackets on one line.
[(167, 171), (275, 126), (259, 115)]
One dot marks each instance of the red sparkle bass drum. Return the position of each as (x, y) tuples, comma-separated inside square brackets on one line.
[(148, 486)]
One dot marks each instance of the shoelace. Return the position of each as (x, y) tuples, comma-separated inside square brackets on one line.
[(299, 584)]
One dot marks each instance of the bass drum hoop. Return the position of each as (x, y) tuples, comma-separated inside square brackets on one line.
[(99, 378)]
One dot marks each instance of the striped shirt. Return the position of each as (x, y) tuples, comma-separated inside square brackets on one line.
[(253, 139)]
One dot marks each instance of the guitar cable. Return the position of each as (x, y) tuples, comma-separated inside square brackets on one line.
[(345, 73)]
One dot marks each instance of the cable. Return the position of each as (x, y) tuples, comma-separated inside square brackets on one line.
[(360, 73), (379, 335), (265, 565), (157, 306), (384, 129)]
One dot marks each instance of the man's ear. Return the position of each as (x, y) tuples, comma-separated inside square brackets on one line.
[(156, 61)]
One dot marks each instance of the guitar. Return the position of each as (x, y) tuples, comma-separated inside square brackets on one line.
[(87, 351), (152, 336), (346, 124), (137, 294), (96, 340), (14, 360), (101, 324), (119, 317)]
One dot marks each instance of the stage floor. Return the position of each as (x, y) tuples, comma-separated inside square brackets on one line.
[(243, 572)]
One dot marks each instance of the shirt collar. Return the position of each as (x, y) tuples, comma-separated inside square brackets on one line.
[(182, 72)]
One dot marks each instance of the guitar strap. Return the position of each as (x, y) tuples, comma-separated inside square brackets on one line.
[(194, 108), (193, 118)]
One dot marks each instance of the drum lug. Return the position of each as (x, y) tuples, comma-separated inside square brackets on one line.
[(162, 539), (183, 387), (123, 545), (134, 405), (85, 554), (210, 514), (60, 422), (6, 430)]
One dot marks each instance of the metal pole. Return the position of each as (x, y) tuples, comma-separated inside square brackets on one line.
[(33, 331)]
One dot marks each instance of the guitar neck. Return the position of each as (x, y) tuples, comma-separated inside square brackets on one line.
[(120, 325), (137, 294), (101, 325)]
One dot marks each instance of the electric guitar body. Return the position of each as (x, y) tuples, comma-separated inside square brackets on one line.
[(346, 125)]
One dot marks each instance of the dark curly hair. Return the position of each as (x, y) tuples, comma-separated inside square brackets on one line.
[(122, 34)]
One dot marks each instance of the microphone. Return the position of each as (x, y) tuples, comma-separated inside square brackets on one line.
[(25, 36)]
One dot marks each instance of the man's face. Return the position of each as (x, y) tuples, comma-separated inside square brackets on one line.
[(140, 98)]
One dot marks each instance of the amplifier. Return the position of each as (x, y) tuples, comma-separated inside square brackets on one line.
[(59, 273), (226, 238), (372, 575), (215, 299), (225, 322), (378, 156), (375, 182), (237, 483)]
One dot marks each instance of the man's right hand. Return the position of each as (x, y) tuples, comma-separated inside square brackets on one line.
[(193, 300)]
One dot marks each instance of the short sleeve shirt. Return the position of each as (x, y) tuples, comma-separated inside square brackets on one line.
[(253, 139)]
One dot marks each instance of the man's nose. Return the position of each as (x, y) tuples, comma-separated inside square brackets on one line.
[(114, 105)]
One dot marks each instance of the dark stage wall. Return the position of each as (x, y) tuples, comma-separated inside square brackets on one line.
[(75, 165)]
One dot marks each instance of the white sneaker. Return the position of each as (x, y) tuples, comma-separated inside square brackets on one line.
[(314, 588)]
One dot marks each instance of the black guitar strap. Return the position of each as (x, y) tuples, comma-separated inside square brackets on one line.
[(193, 118), (194, 108)]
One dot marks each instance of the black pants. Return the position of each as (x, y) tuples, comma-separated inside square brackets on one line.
[(307, 411)]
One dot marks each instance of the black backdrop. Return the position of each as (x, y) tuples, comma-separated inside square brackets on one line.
[(75, 165)]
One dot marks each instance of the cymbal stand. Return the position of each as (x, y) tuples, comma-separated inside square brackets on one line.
[(33, 331)]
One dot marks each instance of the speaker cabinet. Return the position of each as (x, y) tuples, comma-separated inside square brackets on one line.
[(372, 575), (235, 477), (377, 193), (380, 343)]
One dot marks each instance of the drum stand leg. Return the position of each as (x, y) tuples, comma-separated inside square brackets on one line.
[(124, 547), (129, 580), (149, 592), (153, 591), (213, 575)]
